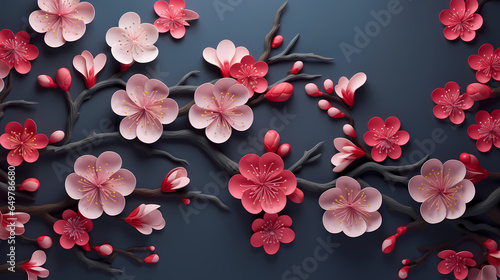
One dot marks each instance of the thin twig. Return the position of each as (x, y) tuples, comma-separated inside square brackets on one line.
[(268, 40), (306, 158), (286, 56)]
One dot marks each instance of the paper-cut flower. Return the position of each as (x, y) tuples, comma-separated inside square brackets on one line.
[(173, 17), (461, 20), (100, 184), (262, 184), (475, 173), (175, 179), (34, 267), (487, 272), (450, 103), (145, 107), (145, 218), (486, 131), (12, 223), (487, 63), (442, 190), (350, 209), (132, 41), (61, 21), (4, 71), (280, 92), (225, 56), (250, 74), (271, 231), (346, 88), (456, 262), (493, 256), (15, 50), (73, 229), (348, 152), (219, 107), (89, 66), (23, 142), (385, 138)]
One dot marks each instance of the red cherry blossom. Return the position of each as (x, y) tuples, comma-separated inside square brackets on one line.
[(24, 143), (461, 20), (456, 262), (15, 50), (271, 231), (385, 138), (487, 63), (173, 17), (486, 131), (475, 173), (450, 103), (250, 74), (73, 229)]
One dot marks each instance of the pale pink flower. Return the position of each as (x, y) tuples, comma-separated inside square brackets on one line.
[(348, 152), (34, 267), (487, 272), (73, 229), (173, 17), (100, 184), (12, 222), (89, 66), (145, 218), (176, 179), (350, 209), (346, 88), (146, 108), (225, 56), (442, 190), (220, 107), (61, 20)]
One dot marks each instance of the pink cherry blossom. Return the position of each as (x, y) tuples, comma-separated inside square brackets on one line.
[(73, 229), (487, 272), (262, 184), (456, 262), (23, 143), (15, 50), (250, 74), (450, 103), (225, 56), (461, 20), (12, 222), (271, 231), (348, 152), (4, 71), (346, 88), (145, 218), (350, 209), (61, 20), (34, 267), (486, 131), (220, 107), (100, 184), (89, 66), (173, 17), (175, 179), (132, 41), (442, 190), (487, 63), (385, 138), (146, 108)]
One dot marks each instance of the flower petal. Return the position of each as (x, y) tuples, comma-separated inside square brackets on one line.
[(85, 12), (451, 33), (354, 229), (356, 82), (433, 210), (218, 131), (275, 205), (257, 239), (249, 202), (72, 29), (238, 184), (331, 223), (113, 205), (85, 167), (106, 164), (73, 184), (200, 118), (288, 235), (122, 105), (374, 221), (124, 181), (241, 118), (89, 207)]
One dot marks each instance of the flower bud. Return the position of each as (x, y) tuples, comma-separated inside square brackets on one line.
[(297, 196), (104, 250), (271, 141), (297, 66), (86, 247), (328, 86), (478, 91), (277, 41), (403, 272), (46, 81), (405, 262), (45, 242), (323, 104), (388, 244), (186, 201), (335, 113), (474, 172), (56, 136), (154, 258), (30, 185), (280, 92), (401, 230), (151, 248), (63, 79), (490, 245), (312, 90), (349, 130), (284, 150)]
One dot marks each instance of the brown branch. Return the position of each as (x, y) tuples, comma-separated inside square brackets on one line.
[(272, 33)]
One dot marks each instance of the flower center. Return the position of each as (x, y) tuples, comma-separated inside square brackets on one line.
[(74, 227), (272, 231), (14, 51)]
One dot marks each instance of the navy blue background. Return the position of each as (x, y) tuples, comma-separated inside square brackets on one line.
[(404, 61)]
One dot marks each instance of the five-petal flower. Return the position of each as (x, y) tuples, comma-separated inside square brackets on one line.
[(461, 20), (385, 138), (23, 142), (450, 103), (250, 74), (487, 63), (225, 56), (15, 50), (173, 17), (271, 231), (456, 262), (73, 229), (486, 131)]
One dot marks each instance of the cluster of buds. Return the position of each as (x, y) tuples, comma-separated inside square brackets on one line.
[(390, 242), (63, 80)]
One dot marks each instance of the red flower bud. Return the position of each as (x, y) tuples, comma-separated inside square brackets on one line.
[(125, 67), (403, 272), (46, 81), (86, 247), (335, 113), (283, 150), (388, 244), (323, 104), (56, 136), (280, 92), (297, 196), (478, 91), (490, 245), (349, 130), (151, 248), (104, 249), (401, 230), (405, 262), (186, 201), (328, 85), (63, 79), (45, 242), (312, 90), (30, 185), (475, 172), (297, 66), (271, 141), (277, 41), (154, 258)]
